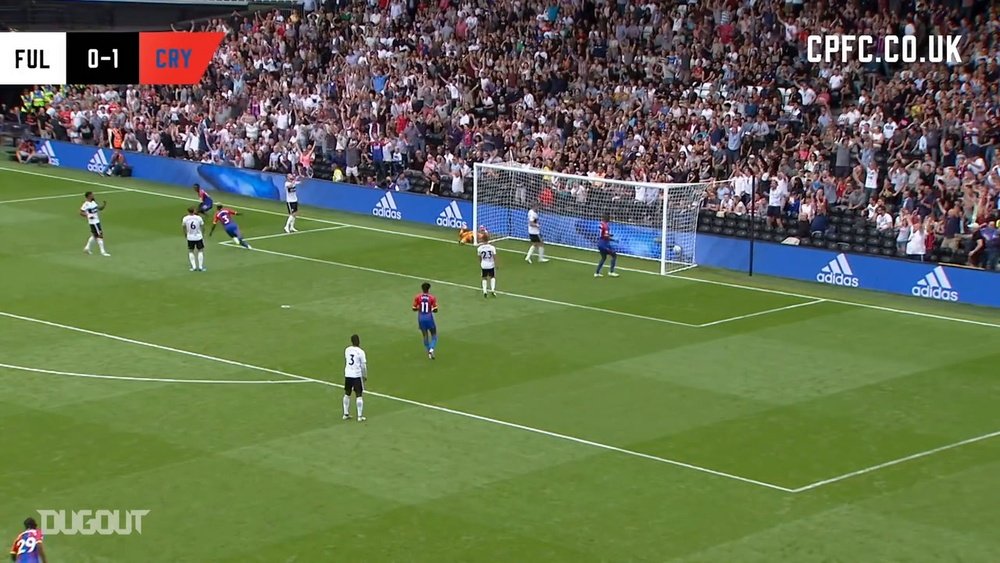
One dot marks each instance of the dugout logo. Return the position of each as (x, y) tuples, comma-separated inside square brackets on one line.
[(838, 272), (935, 285), (91, 522), (386, 208), (452, 217)]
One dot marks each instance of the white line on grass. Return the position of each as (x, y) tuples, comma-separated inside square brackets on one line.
[(147, 379), (303, 232), (761, 313), (919, 455), (464, 286), (47, 197), (842, 302), (438, 239), (411, 402)]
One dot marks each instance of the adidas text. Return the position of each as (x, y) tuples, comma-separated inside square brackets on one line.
[(386, 207), (452, 217), (935, 293), (935, 285), (837, 279), (838, 272), (98, 163), (387, 213)]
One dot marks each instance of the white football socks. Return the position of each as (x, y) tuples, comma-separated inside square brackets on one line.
[(191, 259), (347, 405), (100, 244), (201, 260), (90, 241), (541, 252), (484, 286), (493, 285), (531, 251), (361, 407)]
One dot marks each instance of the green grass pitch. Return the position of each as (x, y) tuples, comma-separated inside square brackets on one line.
[(703, 417)]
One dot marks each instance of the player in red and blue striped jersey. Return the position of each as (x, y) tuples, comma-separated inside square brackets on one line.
[(206, 200), (425, 306), (27, 546), (225, 216), (605, 248)]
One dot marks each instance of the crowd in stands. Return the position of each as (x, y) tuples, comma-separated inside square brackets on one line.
[(408, 94)]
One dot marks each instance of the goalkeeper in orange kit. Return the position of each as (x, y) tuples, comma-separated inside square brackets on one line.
[(466, 236)]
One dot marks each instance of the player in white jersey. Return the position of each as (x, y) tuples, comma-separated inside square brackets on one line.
[(292, 201), (194, 230), (535, 234), (91, 210), (488, 263), (355, 375)]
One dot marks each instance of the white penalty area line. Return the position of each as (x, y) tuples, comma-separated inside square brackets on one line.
[(147, 379), (455, 412), (48, 197), (803, 296), (762, 313), (465, 286), (277, 235), (899, 461)]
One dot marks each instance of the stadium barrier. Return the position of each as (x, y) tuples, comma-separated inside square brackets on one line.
[(926, 280), (923, 280)]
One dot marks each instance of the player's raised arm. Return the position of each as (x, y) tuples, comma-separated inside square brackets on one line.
[(103, 205)]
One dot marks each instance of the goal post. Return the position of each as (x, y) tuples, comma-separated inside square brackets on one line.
[(650, 221)]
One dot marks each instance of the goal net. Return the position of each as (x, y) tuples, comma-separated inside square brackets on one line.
[(656, 222)]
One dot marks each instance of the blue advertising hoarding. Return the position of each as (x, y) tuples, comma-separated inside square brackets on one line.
[(925, 280), (922, 280)]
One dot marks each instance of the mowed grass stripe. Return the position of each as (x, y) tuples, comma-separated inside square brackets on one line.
[(411, 402)]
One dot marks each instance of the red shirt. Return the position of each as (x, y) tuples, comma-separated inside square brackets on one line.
[(425, 304)]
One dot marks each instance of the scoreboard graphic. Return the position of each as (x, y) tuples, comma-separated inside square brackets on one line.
[(148, 58)]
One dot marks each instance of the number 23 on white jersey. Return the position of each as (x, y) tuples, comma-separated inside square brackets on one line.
[(487, 256)]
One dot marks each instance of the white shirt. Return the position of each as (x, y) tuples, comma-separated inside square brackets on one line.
[(91, 209), (916, 245), (776, 197), (355, 362), (194, 226), (487, 256), (291, 195), (871, 179), (533, 227)]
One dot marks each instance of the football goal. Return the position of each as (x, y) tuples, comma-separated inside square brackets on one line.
[(656, 222)]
